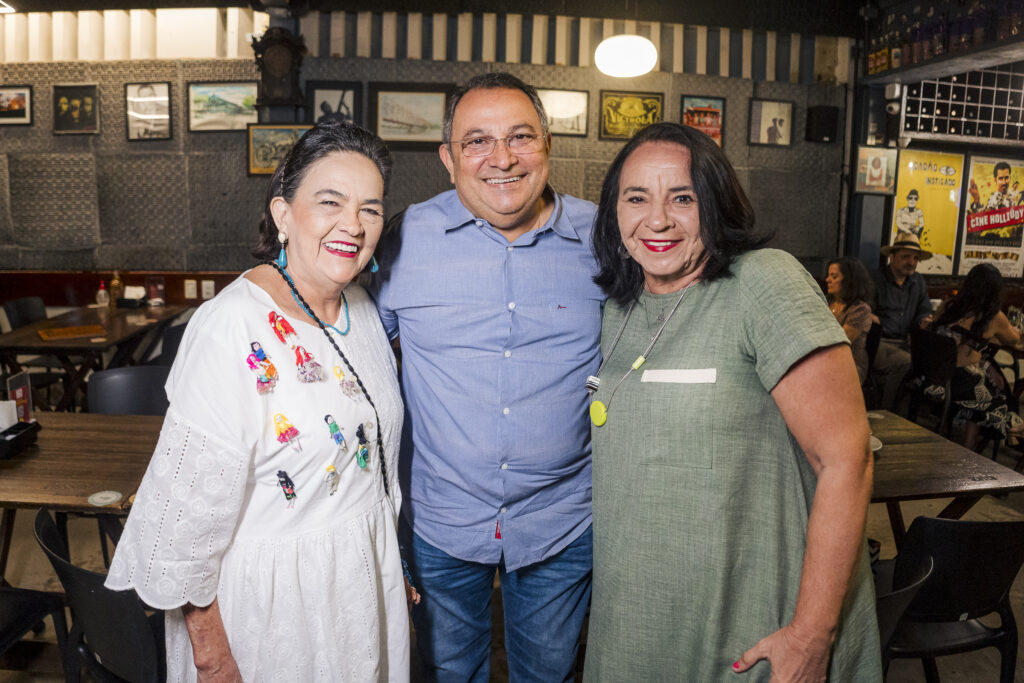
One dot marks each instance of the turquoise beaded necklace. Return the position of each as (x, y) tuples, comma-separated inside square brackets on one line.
[(348, 322)]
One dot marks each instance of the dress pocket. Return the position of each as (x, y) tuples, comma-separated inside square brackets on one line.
[(675, 423)]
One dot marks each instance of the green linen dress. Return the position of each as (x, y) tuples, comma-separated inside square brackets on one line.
[(701, 493)]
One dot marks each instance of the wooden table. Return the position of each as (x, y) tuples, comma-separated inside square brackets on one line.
[(76, 455), (916, 464), (123, 331)]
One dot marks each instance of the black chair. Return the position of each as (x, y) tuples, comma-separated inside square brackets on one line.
[(891, 601), (933, 362), (110, 632), (23, 610), (975, 565), (169, 344), (24, 311), (131, 390), (872, 392)]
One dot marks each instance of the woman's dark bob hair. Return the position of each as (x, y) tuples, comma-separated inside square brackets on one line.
[(980, 296), (856, 284), (726, 218), (323, 139)]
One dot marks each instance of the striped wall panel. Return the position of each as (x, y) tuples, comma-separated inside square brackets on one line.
[(557, 40)]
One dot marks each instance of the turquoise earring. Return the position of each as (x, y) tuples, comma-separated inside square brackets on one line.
[(373, 264), (282, 258)]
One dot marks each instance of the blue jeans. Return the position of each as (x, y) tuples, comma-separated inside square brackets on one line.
[(544, 607)]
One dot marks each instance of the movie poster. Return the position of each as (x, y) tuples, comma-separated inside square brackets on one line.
[(993, 216), (927, 204)]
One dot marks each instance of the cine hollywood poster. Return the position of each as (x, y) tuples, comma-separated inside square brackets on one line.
[(928, 204), (993, 216)]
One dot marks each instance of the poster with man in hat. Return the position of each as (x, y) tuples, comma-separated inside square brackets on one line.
[(928, 205)]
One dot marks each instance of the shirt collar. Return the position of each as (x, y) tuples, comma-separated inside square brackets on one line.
[(559, 221)]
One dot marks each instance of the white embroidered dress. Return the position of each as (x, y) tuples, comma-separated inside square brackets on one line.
[(309, 588)]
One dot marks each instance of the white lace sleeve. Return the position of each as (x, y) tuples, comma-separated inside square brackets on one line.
[(183, 519)]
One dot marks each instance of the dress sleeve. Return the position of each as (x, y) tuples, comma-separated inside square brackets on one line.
[(859, 315), (189, 501), (783, 312)]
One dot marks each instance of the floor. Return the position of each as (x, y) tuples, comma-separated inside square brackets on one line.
[(36, 661)]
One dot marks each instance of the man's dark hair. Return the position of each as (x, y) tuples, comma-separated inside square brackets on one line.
[(726, 217), (998, 167), (328, 136), (491, 81)]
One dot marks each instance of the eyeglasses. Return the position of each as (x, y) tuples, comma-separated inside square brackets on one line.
[(518, 143)]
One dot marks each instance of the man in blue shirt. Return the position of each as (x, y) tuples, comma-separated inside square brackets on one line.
[(490, 288), (901, 303)]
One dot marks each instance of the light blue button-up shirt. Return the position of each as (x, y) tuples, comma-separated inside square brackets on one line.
[(498, 339)]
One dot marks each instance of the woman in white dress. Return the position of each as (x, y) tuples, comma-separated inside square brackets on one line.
[(265, 524)]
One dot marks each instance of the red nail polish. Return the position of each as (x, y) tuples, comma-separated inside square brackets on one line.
[(735, 665)]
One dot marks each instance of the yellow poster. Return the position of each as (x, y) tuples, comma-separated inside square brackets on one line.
[(928, 204), (993, 216)]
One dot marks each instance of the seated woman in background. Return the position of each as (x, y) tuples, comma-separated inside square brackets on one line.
[(849, 291), (974, 318)]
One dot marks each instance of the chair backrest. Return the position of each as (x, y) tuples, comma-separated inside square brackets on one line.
[(27, 309), (975, 565), (932, 356), (133, 390), (891, 606), (113, 623), (169, 344)]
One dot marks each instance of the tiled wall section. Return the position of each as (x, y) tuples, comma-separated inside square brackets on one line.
[(74, 202)]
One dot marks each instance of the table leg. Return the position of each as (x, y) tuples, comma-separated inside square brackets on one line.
[(7, 523), (958, 507), (75, 379), (899, 529)]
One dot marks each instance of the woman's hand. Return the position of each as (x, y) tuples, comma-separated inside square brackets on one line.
[(211, 652), (411, 596), (793, 656)]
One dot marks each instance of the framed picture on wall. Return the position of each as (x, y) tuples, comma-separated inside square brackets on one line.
[(567, 111), (76, 109), (269, 143), (221, 105), (706, 114), (623, 113), (15, 105), (408, 115), (147, 109), (876, 170), (334, 98), (771, 123)]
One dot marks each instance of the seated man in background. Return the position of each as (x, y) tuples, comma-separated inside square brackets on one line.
[(901, 303)]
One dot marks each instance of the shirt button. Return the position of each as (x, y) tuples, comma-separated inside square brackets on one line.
[(505, 411), (479, 223), (504, 510), (511, 305), (508, 354), (504, 465), (510, 248)]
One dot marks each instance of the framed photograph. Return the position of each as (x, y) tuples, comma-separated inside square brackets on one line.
[(343, 99), (771, 123), (876, 170), (147, 108), (408, 115), (269, 144), (221, 105), (706, 114), (76, 109), (15, 105), (624, 113), (567, 111)]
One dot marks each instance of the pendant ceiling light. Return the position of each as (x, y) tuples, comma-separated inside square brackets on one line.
[(625, 56), (5, 8)]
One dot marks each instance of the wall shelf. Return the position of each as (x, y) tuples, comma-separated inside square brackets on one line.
[(975, 59)]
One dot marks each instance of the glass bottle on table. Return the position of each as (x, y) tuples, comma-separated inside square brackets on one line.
[(116, 289), (102, 295)]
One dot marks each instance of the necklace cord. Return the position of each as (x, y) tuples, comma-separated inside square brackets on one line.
[(362, 387)]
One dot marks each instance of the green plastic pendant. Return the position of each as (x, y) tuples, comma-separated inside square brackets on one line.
[(598, 413)]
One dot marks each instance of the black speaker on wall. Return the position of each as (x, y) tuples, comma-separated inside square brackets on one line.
[(822, 124)]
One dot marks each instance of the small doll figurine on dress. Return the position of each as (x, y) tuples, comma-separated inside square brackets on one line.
[(258, 351), (286, 432), (287, 486), (331, 479), (282, 328), (266, 373), (308, 369), (361, 451), (336, 432), (348, 387)]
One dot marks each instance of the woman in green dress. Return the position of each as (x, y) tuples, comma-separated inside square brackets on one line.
[(731, 470)]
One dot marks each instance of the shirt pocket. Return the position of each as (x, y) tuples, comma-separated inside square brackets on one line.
[(675, 418)]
